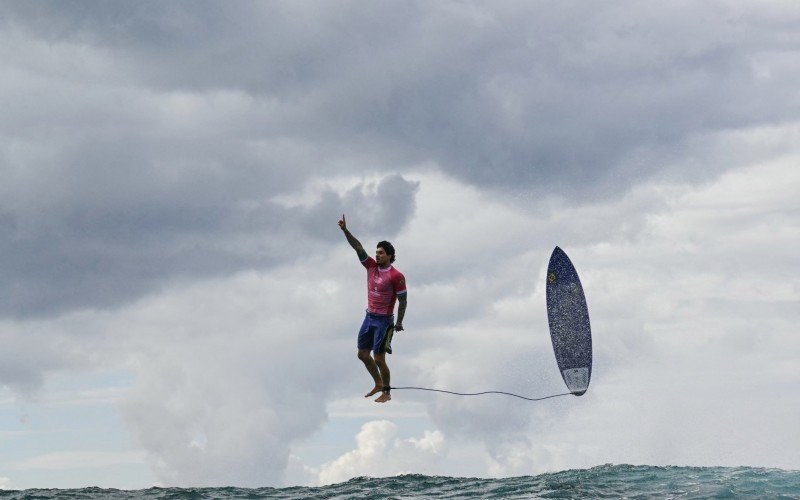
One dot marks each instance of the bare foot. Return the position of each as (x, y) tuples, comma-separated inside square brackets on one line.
[(385, 397), (374, 390)]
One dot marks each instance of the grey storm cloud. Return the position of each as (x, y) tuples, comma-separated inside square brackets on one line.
[(150, 144), (144, 140), (91, 256), (510, 94), (21, 366)]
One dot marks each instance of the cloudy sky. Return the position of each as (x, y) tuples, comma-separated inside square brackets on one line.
[(178, 306)]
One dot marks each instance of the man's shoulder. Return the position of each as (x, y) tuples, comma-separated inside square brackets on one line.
[(398, 278)]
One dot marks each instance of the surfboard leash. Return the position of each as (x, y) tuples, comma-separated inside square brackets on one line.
[(481, 393)]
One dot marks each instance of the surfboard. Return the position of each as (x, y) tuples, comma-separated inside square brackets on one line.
[(568, 318)]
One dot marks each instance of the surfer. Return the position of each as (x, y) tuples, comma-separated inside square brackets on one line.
[(384, 285)]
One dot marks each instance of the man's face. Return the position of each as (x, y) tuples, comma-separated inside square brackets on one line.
[(381, 257)]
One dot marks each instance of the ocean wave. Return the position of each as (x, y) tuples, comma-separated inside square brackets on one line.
[(606, 481)]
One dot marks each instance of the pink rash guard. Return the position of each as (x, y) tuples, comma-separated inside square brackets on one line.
[(383, 287)]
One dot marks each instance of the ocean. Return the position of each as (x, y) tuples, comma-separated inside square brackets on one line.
[(607, 481)]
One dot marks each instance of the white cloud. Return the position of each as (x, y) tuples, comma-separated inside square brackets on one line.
[(298, 473), (227, 377), (227, 373), (5, 483), (67, 460), (693, 299), (523, 458), (231, 374), (350, 407), (379, 453)]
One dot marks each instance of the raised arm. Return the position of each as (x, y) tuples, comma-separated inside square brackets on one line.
[(362, 254)]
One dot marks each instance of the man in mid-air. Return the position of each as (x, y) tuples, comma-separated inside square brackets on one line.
[(384, 285)]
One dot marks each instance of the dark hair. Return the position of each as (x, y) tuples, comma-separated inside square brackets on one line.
[(388, 248)]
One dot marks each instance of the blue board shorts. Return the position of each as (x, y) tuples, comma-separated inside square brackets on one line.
[(373, 332)]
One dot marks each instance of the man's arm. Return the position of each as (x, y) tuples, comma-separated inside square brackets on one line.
[(401, 311), (362, 254)]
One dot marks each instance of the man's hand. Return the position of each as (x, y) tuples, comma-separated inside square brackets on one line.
[(343, 224), (398, 327)]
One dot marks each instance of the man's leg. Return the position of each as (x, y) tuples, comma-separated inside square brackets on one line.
[(372, 368), (380, 360)]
